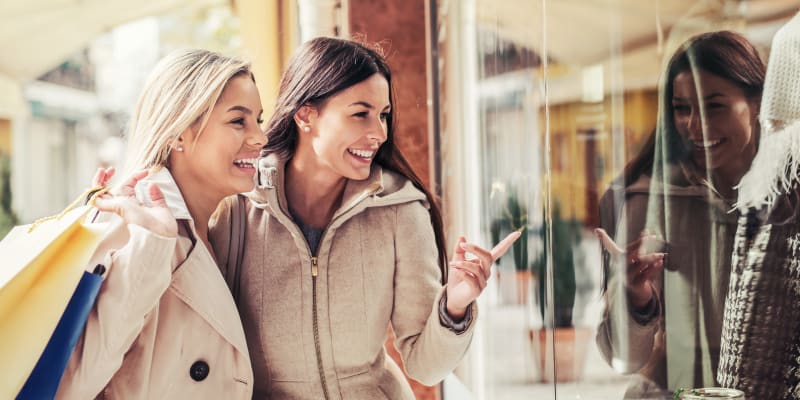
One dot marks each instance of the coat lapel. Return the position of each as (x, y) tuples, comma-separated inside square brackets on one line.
[(199, 284)]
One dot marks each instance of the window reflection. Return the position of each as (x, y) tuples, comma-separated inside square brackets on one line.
[(638, 118), (669, 269)]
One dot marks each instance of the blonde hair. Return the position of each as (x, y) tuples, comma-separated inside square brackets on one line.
[(181, 90)]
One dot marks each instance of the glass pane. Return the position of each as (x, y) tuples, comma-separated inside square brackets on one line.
[(639, 118)]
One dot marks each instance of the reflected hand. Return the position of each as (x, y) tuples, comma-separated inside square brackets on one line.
[(156, 218), (642, 266), (467, 277)]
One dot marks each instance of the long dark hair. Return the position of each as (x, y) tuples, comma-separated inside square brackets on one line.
[(321, 68), (725, 54)]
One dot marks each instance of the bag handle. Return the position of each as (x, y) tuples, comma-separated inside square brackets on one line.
[(90, 195), (236, 245)]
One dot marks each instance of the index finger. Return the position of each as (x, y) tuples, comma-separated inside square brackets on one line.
[(500, 248), (607, 242), (130, 184)]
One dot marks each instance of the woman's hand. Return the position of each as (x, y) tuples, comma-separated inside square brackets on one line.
[(102, 176), (156, 218), (467, 277), (642, 265)]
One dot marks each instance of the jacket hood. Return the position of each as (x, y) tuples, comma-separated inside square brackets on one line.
[(678, 181), (381, 188)]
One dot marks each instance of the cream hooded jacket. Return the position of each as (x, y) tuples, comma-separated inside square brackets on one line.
[(316, 325), (680, 345), (164, 325)]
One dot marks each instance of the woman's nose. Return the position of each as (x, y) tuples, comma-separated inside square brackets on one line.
[(256, 137), (695, 124), (379, 131)]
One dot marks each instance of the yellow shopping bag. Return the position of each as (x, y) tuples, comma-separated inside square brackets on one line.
[(40, 267)]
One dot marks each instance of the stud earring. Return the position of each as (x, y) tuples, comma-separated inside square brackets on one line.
[(179, 148), (307, 128)]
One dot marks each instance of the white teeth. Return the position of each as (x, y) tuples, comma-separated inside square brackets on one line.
[(250, 162), (362, 153), (707, 145)]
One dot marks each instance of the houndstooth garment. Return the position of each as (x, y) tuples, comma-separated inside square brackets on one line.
[(760, 352)]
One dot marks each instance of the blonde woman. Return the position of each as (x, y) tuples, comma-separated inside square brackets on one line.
[(165, 324)]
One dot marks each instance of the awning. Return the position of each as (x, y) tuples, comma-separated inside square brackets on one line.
[(36, 36), (630, 38)]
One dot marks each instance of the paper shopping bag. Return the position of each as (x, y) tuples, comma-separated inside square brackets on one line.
[(43, 381), (40, 270)]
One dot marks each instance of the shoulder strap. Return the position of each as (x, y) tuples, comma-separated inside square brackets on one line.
[(236, 245)]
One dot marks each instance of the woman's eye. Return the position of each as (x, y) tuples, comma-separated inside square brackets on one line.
[(384, 116), (238, 121), (362, 114)]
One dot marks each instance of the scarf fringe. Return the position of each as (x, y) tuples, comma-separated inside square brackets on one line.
[(775, 169)]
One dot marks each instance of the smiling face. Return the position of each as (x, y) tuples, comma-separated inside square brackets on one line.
[(221, 159), (346, 130), (716, 118)]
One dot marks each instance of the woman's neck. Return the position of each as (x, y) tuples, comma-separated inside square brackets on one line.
[(726, 177), (313, 196), (200, 202)]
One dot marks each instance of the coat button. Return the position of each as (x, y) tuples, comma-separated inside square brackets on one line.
[(199, 370)]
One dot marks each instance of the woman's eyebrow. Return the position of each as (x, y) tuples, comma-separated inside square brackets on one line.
[(240, 108)]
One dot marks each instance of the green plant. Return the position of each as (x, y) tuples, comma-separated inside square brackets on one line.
[(7, 216), (565, 235), (513, 217)]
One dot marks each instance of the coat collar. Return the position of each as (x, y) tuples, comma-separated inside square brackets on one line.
[(172, 194)]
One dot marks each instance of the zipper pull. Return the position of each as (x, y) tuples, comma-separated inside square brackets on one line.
[(314, 267)]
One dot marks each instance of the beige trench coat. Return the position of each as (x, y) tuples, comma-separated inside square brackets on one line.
[(165, 325)]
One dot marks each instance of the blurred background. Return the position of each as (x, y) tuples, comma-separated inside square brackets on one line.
[(517, 112)]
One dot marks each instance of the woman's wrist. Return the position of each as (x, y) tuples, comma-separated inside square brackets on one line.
[(640, 298), (456, 313), (450, 320)]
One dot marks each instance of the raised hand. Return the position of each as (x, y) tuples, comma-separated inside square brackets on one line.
[(156, 218), (642, 265), (467, 277)]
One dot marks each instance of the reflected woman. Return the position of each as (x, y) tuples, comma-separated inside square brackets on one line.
[(667, 286)]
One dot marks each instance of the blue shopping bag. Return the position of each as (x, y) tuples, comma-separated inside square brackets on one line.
[(43, 381)]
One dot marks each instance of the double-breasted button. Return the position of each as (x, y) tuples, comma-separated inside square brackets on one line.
[(199, 370)]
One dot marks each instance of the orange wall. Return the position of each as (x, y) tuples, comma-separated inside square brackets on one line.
[(568, 145), (5, 136), (400, 27)]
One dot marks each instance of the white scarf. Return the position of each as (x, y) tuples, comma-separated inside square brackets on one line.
[(776, 166)]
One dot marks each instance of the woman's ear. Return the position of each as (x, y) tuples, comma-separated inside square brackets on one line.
[(305, 118), (177, 143)]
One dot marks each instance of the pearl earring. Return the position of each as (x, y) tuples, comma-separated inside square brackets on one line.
[(179, 148), (307, 128)]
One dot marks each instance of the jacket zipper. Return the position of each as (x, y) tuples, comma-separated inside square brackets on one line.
[(314, 313), (314, 273)]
